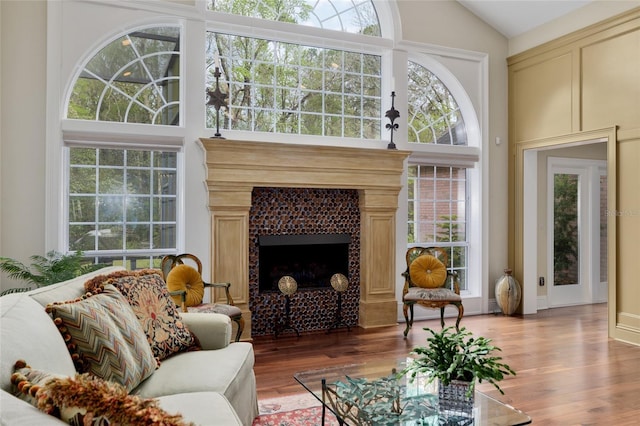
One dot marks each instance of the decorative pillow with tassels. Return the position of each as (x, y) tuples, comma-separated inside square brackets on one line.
[(85, 400), (104, 337), (149, 298)]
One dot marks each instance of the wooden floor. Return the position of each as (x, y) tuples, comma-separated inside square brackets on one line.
[(568, 371)]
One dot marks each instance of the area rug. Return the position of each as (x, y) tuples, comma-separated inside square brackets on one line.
[(293, 410)]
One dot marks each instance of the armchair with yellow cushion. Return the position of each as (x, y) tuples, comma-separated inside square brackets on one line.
[(428, 283), (186, 287)]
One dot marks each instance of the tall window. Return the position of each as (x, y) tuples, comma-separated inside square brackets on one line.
[(437, 212), (281, 86), (437, 194), (122, 205), (122, 196)]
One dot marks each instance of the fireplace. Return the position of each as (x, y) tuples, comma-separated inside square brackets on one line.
[(235, 168), (310, 259)]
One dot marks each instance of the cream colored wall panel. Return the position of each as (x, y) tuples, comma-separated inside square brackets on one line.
[(611, 83), (230, 250), (542, 98), (628, 219), (377, 250)]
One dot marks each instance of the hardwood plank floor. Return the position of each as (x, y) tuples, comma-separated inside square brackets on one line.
[(568, 371)]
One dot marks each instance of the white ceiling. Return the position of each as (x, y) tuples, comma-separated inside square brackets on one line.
[(514, 17)]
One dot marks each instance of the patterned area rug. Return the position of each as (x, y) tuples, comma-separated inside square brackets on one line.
[(293, 410)]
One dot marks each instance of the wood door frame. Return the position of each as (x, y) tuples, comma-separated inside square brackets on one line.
[(521, 154)]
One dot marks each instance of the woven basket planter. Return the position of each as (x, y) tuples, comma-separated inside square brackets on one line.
[(453, 398)]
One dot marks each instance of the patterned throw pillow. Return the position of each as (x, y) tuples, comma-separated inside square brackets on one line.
[(85, 400), (105, 338), (147, 294)]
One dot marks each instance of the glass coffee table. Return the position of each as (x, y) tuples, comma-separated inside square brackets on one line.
[(375, 394)]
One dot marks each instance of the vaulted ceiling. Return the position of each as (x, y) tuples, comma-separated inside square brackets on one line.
[(514, 17)]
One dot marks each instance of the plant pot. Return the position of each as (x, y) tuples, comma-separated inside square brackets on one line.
[(454, 399)]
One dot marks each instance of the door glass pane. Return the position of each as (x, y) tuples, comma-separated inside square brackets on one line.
[(603, 229), (565, 234)]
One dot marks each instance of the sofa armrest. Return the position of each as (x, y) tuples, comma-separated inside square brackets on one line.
[(212, 330)]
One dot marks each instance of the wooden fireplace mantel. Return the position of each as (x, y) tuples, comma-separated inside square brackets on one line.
[(234, 168)]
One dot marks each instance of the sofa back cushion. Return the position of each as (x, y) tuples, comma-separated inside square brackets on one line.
[(68, 290), (28, 332)]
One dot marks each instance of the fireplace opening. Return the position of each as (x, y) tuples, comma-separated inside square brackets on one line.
[(310, 259)]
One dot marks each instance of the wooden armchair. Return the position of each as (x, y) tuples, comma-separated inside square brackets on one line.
[(186, 286), (428, 283)]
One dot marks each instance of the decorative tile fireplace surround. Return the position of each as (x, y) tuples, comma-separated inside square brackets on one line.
[(235, 168)]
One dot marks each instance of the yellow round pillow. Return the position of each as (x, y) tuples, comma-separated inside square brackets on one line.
[(184, 277), (427, 272)]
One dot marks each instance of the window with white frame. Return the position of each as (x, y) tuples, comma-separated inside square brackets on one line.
[(437, 194), (281, 86), (122, 196), (437, 212), (352, 16)]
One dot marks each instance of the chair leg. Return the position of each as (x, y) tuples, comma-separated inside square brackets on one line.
[(442, 317), (240, 321), (407, 309), (460, 313)]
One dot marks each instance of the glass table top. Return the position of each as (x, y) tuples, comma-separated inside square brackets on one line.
[(376, 394)]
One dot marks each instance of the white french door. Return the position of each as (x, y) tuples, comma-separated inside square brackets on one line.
[(576, 192)]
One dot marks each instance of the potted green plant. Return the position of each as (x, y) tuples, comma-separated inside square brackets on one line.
[(457, 360), (50, 269)]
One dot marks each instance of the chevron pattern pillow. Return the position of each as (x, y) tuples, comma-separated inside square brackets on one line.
[(105, 338)]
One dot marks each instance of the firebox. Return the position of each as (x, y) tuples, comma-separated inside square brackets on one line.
[(311, 259)]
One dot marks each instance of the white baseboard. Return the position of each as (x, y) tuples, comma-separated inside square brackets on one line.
[(542, 302)]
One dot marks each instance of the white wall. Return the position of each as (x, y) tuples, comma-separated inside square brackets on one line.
[(22, 156)]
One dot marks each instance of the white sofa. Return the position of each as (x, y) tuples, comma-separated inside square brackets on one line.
[(213, 386)]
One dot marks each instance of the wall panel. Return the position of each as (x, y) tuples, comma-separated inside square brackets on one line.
[(609, 70), (542, 97)]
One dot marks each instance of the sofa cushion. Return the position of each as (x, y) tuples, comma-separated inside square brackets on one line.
[(68, 290), (104, 337), (16, 412), (204, 408), (27, 332), (147, 294), (228, 371)]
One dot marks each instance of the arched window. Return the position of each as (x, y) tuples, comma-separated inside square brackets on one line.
[(437, 190), (278, 85), (122, 190), (434, 115), (354, 16), (133, 79)]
